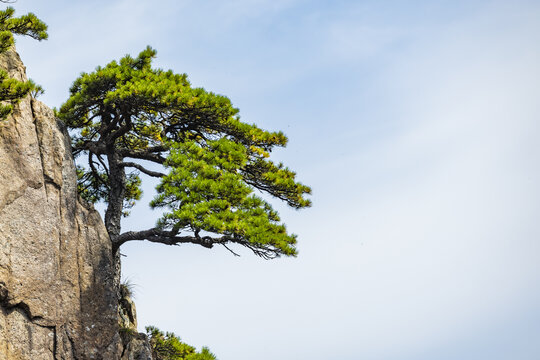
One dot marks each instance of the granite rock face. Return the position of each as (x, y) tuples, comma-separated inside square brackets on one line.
[(57, 299), (136, 346)]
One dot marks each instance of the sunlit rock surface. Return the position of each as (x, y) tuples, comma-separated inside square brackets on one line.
[(56, 291)]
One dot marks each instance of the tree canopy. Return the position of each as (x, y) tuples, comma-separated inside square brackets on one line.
[(12, 90), (129, 118)]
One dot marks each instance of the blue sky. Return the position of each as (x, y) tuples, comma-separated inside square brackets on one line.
[(416, 124)]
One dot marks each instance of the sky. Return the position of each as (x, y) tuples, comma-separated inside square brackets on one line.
[(415, 123)]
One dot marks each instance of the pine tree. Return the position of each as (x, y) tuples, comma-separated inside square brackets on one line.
[(129, 118), (12, 90), (168, 346)]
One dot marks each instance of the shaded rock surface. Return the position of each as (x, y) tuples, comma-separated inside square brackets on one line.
[(56, 289), (136, 347)]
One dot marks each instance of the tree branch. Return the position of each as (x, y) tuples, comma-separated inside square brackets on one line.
[(103, 164), (157, 148), (168, 238), (171, 238), (95, 147), (142, 169), (143, 155), (121, 131), (95, 171)]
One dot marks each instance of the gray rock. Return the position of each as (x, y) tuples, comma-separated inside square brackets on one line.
[(137, 348), (56, 289)]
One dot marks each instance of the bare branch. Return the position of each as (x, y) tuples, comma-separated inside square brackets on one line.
[(95, 171), (95, 147), (142, 169), (143, 155), (103, 164), (232, 252)]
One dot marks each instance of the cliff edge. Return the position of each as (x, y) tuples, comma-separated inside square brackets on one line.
[(57, 299)]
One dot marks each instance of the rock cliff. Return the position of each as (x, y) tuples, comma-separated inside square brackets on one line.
[(56, 290)]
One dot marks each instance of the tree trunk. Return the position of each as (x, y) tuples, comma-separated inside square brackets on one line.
[(113, 215)]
